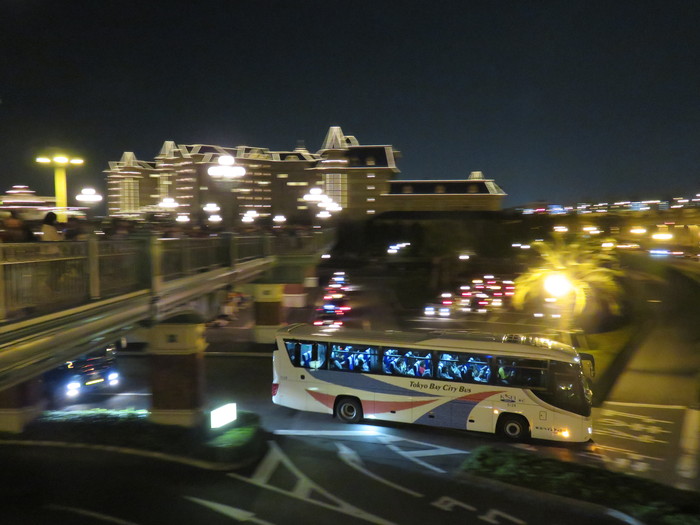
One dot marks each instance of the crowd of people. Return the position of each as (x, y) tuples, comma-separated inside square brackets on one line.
[(14, 229)]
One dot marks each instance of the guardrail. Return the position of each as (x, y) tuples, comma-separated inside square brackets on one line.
[(44, 277)]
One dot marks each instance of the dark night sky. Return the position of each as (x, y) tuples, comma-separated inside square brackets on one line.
[(560, 100)]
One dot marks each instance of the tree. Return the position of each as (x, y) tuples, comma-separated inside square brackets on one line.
[(590, 270)]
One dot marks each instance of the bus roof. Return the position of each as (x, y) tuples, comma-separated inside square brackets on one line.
[(455, 340)]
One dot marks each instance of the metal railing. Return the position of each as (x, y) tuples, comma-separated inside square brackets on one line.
[(43, 277)]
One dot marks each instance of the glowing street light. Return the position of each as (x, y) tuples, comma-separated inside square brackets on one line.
[(88, 195), (557, 285), (168, 203), (227, 170), (59, 163)]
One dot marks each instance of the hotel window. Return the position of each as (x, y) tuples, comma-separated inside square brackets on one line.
[(282, 176), (439, 188), (371, 199), (370, 187), (473, 188), (370, 175), (407, 189), (370, 212), (336, 185), (371, 161)]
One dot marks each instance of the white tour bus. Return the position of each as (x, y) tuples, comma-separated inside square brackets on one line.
[(516, 385)]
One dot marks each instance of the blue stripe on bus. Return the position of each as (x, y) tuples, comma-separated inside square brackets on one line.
[(455, 410), (365, 382)]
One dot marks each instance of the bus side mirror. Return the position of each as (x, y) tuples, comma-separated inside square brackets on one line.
[(587, 364)]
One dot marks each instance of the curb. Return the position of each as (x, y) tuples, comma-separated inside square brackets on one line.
[(528, 494)]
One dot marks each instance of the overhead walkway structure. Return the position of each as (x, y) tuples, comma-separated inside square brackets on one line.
[(61, 300)]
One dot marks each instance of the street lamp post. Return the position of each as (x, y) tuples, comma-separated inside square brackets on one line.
[(59, 163), (226, 176), (88, 196)]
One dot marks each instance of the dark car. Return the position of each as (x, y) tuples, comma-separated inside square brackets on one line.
[(89, 373), (328, 316)]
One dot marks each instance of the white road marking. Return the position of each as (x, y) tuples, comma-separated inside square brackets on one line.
[(448, 504), (412, 455), (687, 466), (644, 405), (303, 488), (623, 517), (352, 459), (326, 432), (91, 514), (493, 515), (231, 512), (390, 441), (626, 451)]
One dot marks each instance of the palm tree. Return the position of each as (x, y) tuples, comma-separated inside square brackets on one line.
[(591, 271)]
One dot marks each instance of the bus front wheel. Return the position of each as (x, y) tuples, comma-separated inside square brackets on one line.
[(349, 410), (514, 427)]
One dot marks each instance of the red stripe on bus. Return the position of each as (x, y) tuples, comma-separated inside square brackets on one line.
[(371, 407), (480, 396)]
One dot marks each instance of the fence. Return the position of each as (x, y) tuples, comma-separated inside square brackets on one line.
[(43, 277)]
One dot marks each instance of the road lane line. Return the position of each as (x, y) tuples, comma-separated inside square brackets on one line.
[(304, 487), (91, 514), (325, 432), (644, 405), (228, 511), (353, 460)]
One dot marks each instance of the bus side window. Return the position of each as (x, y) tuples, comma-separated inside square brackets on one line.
[(318, 356), (389, 361), (293, 352), (339, 358), (476, 369), (505, 371), (307, 351)]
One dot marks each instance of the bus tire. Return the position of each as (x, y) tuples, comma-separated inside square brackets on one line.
[(349, 410), (514, 427)]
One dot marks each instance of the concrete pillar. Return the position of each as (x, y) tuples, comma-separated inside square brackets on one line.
[(176, 349), (267, 299), (294, 296), (19, 405)]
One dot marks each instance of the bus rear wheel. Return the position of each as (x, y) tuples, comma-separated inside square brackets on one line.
[(349, 410), (513, 427)]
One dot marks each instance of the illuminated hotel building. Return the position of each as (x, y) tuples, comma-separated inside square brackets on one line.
[(358, 179)]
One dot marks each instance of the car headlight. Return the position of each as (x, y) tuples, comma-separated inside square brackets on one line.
[(113, 376), (73, 385)]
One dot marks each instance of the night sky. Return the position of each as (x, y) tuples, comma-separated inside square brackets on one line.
[(560, 101)]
